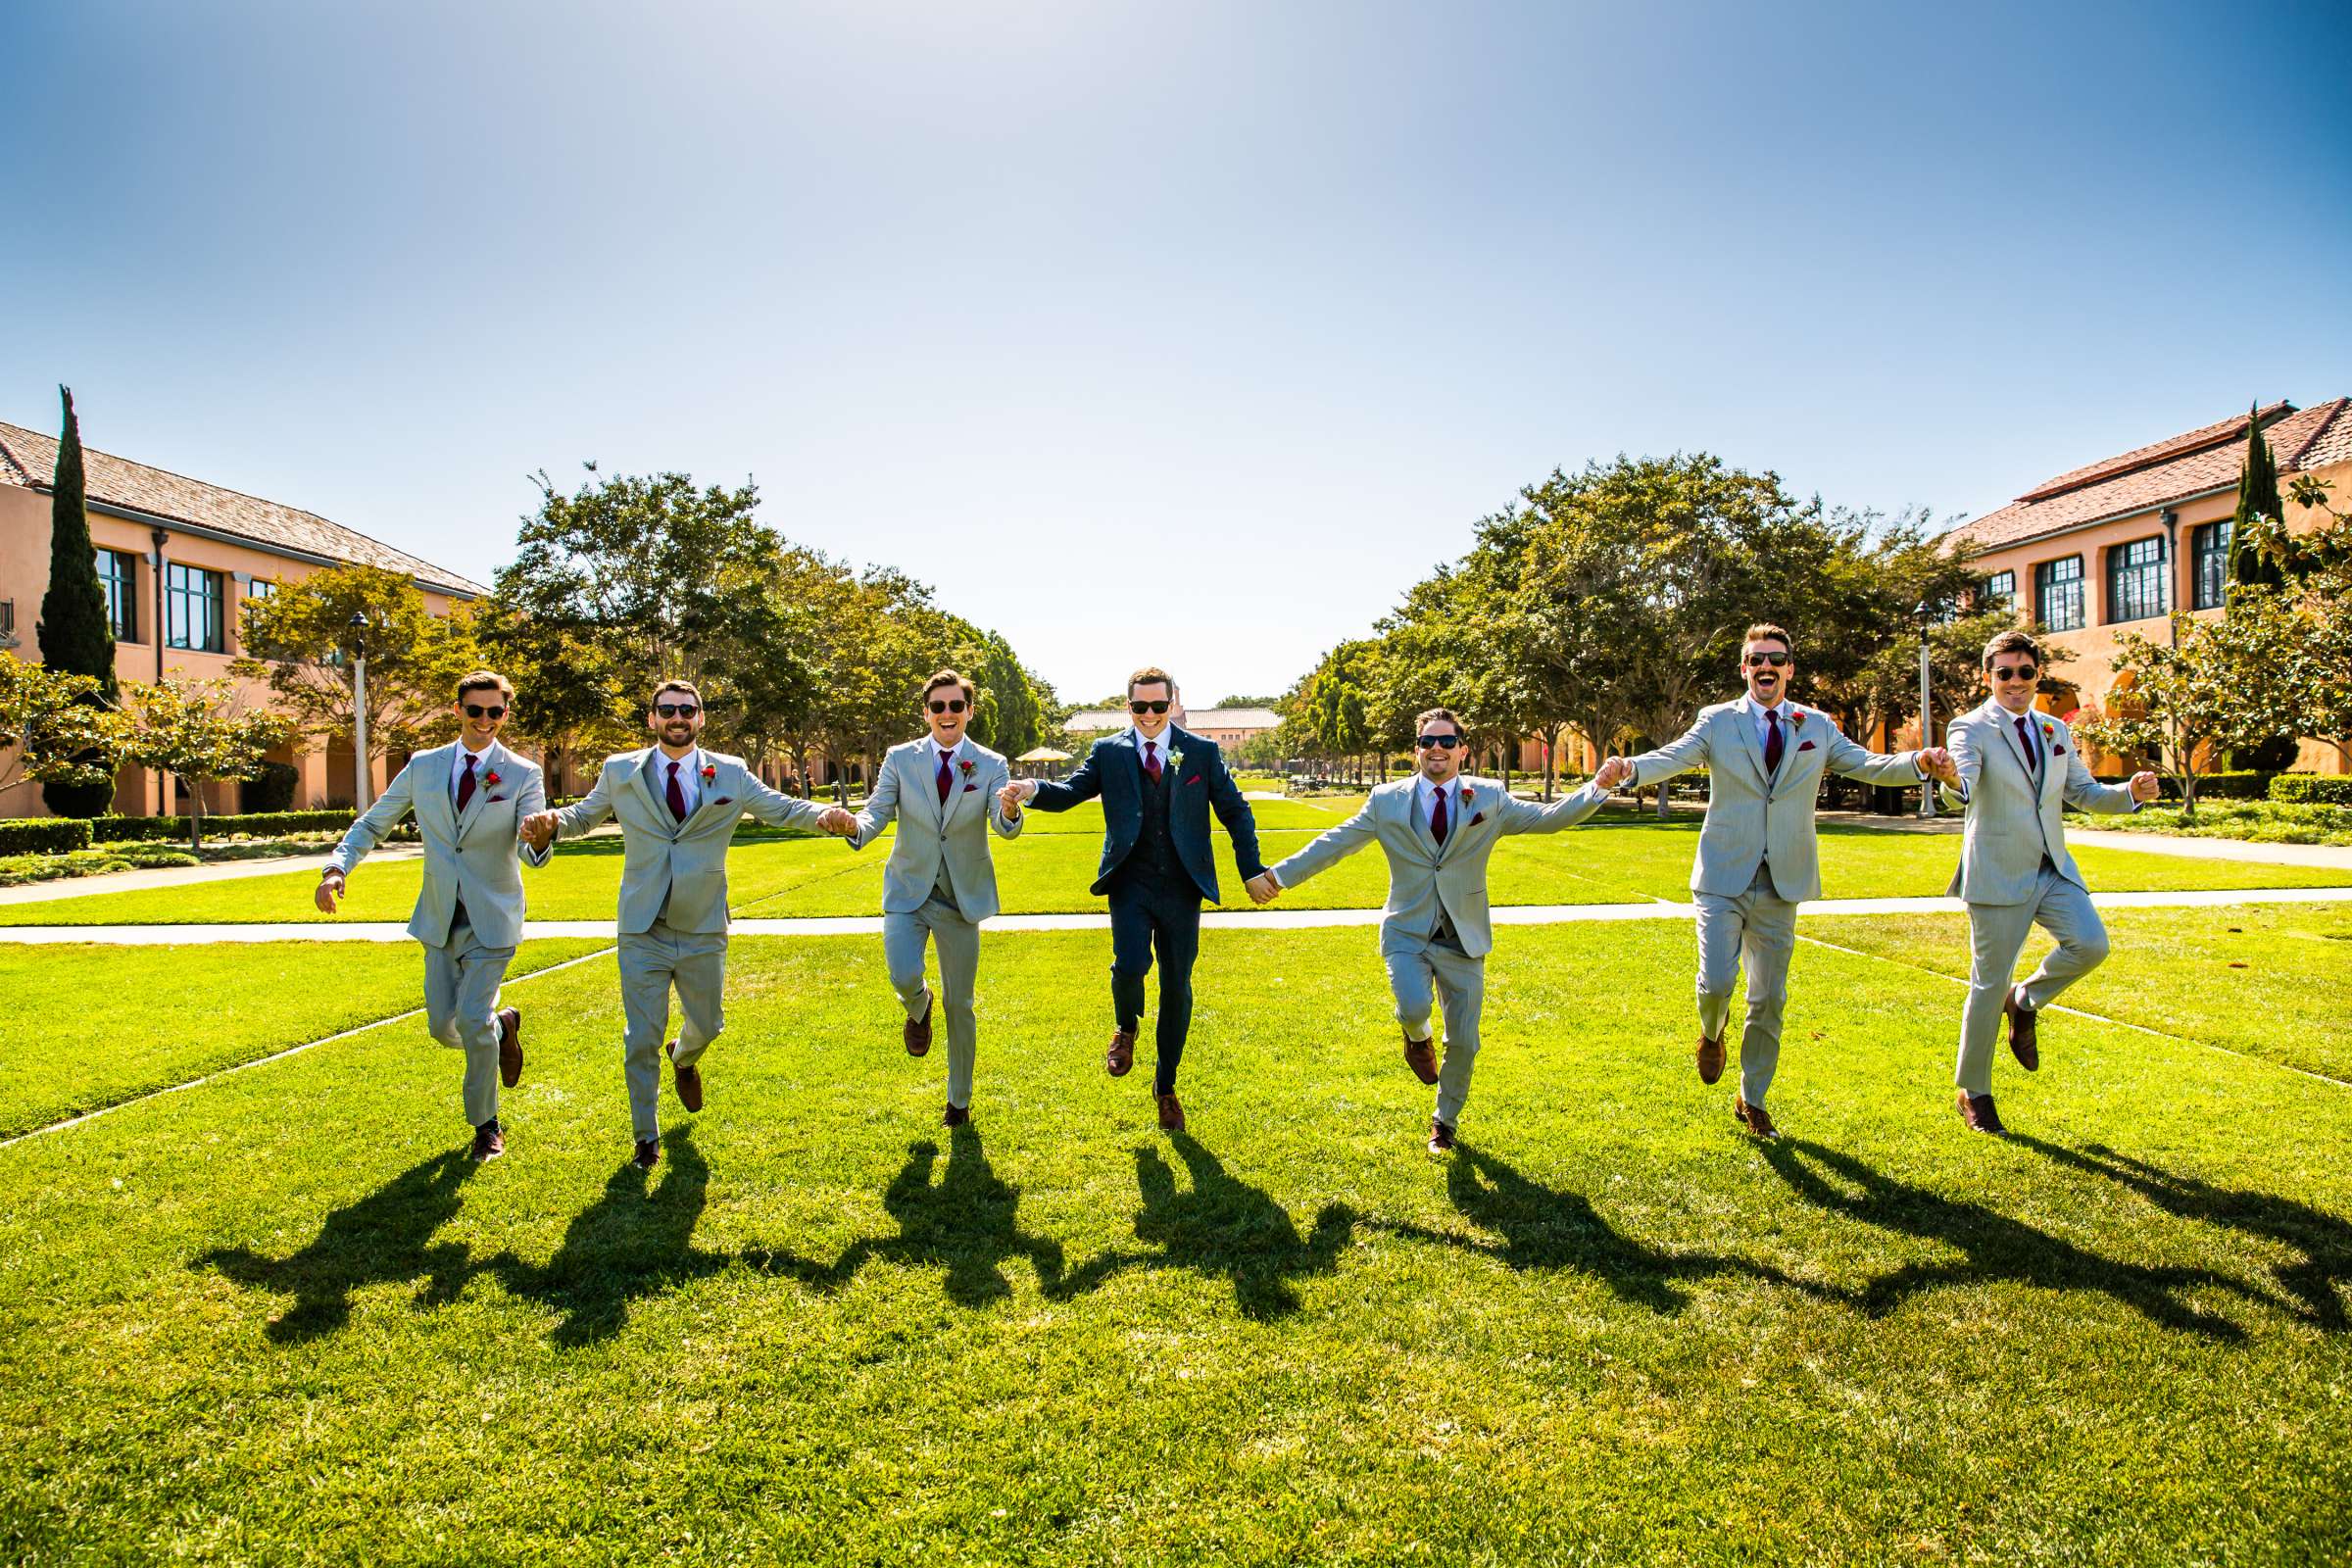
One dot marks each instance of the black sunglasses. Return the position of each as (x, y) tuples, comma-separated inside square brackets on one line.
[(1148, 708), (1443, 743), (477, 710), (2013, 673), (676, 710), (1759, 661), (954, 705)]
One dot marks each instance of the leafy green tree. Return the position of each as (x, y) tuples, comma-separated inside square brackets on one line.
[(2257, 510), (76, 636), (62, 732), (2219, 685), (298, 639), (198, 733)]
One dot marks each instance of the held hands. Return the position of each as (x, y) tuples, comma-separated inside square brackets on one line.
[(1614, 771), (1263, 889), (1935, 763), (538, 830), (838, 822), (330, 889), (1013, 796), (2143, 787)]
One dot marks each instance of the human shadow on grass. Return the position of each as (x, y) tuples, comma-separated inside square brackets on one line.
[(1220, 1226), (1530, 1226), (967, 1223), (1995, 1247), (2316, 1282), (383, 1239)]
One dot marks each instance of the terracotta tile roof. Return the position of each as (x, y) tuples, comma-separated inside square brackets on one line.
[(29, 459), (2194, 462)]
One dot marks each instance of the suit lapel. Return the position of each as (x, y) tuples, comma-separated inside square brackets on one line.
[(435, 765), (2006, 723), (654, 796), (482, 788), (1418, 818), (1752, 748)]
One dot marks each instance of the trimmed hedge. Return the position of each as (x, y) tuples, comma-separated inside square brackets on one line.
[(44, 835), (129, 829), (2312, 789), (2232, 785)]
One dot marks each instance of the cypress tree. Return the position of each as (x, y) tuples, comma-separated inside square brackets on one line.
[(2257, 499), (76, 634)]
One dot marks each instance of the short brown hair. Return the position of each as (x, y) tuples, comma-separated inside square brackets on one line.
[(949, 677), (2013, 641), (1422, 719), (1764, 629), (486, 680), (1149, 675), (685, 686)]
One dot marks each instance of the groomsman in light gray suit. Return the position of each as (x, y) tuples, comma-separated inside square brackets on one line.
[(469, 798), (1757, 860), (1438, 830), (940, 883), (2015, 771), (678, 806)]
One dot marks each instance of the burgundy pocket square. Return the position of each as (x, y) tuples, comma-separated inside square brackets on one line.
[(1806, 747), (1480, 818), (970, 788), (494, 800), (2057, 751), (724, 800)]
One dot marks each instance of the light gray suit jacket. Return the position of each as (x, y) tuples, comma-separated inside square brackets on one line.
[(2011, 824), (1752, 819), (928, 832), (470, 856), (1426, 880), (671, 870)]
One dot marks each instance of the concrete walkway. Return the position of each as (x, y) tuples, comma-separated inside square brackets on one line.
[(1214, 920), (179, 876)]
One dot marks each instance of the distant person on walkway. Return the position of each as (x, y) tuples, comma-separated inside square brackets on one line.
[(469, 798), (678, 806), (1438, 830), (2016, 771), (944, 791), (1157, 784), (1757, 857)]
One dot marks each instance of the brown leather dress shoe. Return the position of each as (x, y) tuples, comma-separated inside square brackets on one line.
[(1441, 1137), (489, 1141), (689, 1079), (1976, 1111), (509, 1046), (1710, 1060), (1171, 1113), (1422, 1057), (1121, 1055), (918, 1031), (957, 1116), (1754, 1119), (2023, 1042), (649, 1153)]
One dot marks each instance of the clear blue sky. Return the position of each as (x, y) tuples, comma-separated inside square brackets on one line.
[(1188, 332)]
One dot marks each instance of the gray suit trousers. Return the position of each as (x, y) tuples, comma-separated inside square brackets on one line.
[(1460, 983), (1997, 934), (652, 962), (461, 1007), (1757, 927), (959, 939)]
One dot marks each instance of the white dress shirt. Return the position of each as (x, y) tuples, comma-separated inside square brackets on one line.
[(482, 765), (934, 754), (1159, 742), (1424, 796), (690, 777), (1755, 714)]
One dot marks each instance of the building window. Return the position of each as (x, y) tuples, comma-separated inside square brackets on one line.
[(2000, 591), (260, 588), (2058, 594), (118, 576), (2209, 552), (192, 608), (2135, 580)]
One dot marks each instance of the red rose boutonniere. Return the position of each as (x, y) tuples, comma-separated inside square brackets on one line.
[(491, 778), (966, 766), (1797, 717), (1465, 795), (709, 771)]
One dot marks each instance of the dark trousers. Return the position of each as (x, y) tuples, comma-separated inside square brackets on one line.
[(1148, 912)]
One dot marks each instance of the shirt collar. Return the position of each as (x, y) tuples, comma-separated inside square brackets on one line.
[(931, 743), (1165, 740), (690, 764), (1756, 711)]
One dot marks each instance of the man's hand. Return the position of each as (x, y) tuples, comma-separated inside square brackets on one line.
[(838, 821), (1936, 762), (1016, 795), (1263, 889), (538, 830), (2143, 787), (331, 888), (1614, 771)]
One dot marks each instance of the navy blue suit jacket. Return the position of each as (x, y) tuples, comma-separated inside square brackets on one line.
[(1113, 769)]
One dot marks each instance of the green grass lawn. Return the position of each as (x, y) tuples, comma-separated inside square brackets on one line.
[(1617, 857), (2272, 980), (278, 1320), (97, 1025)]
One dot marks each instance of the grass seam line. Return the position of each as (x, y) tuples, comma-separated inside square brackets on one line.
[(2094, 1018), (274, 1055)]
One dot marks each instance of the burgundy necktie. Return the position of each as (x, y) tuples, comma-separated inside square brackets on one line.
[(465, 784), (2025, 739), (677, 795), (1772, 740), (1436, 819), (946, 781), (1152, 762)]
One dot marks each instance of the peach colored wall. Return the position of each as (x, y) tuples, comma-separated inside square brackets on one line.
[(25, 578), (2094, 645)]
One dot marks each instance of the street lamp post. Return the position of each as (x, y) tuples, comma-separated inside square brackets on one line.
[(1927, 713), (359, 712)]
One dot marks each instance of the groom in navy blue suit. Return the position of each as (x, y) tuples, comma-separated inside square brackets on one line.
[(1157, 784)]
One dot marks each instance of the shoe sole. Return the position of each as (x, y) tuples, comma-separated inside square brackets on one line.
[(510, 1072)]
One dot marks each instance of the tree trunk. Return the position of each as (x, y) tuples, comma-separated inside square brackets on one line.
[(195, 816)]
